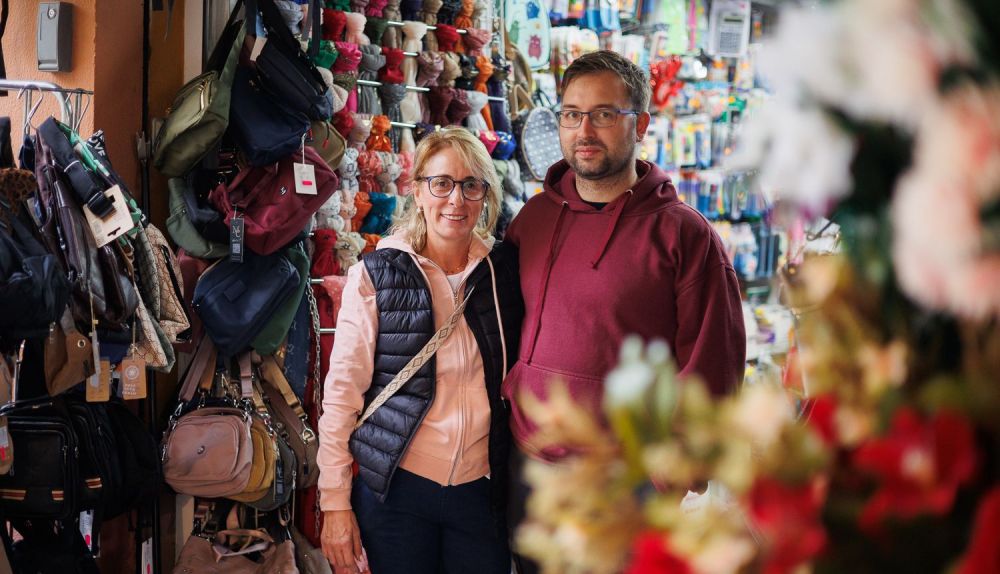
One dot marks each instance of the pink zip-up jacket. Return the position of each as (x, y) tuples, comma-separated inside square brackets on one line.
[(451, 444)]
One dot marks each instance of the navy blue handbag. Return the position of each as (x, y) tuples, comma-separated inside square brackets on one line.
[(235, 301), (264, 131)]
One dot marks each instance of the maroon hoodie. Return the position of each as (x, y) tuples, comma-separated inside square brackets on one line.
[(646, 264)]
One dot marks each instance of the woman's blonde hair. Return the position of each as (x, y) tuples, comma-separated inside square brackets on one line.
[(412, 224)]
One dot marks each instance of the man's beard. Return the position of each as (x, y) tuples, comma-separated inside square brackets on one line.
[(609, 166)]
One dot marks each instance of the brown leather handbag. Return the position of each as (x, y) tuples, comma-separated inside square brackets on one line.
[(290, 421), (207, 451), (69, 358)]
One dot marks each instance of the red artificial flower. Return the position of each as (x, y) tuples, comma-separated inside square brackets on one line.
[(983, 555), (650, 555), (920, 465), (820, 413), (788, 517)]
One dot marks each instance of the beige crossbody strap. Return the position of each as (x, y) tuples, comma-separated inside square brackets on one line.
[(417, 362)]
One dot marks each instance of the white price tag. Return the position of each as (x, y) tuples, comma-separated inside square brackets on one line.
[(147, 556), (87, 528), (305, 179), (119, 222)]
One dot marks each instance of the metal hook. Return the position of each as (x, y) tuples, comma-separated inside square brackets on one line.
[(29, 110), (78, 113)]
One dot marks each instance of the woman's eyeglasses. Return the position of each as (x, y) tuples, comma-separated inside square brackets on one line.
[(473, 189)]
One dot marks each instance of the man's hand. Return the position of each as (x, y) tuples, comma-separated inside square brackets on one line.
[(341, 540)]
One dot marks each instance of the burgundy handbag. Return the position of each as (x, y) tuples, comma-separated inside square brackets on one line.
[(273, 212)]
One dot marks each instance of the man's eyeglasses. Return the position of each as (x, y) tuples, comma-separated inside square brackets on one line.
[(599, 118), (473, 189)]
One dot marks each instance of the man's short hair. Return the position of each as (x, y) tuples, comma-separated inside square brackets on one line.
[(636, 82)]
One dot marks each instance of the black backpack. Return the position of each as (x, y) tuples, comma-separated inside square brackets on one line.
[(33, 286)]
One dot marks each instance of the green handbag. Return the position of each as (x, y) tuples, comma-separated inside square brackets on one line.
[(183, 231), (199, 115), (274, 333)]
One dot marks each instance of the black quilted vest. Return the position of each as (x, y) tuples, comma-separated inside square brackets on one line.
[(405, 324)]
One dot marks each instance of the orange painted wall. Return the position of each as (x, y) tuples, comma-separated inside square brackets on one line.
[(107, 58), (22, 63)]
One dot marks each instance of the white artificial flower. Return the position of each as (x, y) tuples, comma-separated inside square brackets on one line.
[(937, 227), (627, 384), (803, 155)]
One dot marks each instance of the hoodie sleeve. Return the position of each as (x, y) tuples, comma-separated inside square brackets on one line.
[(352, 363), (711, 340)]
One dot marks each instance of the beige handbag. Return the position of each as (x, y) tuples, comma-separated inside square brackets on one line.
[(308, 558), (226, 551), (150, 343), (172, 317), (207, 451)]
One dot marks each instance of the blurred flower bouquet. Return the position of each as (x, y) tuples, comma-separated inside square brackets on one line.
[(886, 118)]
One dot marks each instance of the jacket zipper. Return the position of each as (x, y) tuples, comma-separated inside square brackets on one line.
[(462, 401)]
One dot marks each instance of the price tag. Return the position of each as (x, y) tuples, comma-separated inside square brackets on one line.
[(6, 448), (305, 179), (133, 377), (114, 225), (87, 528), (147, 556), (236, 239), (99, 386)]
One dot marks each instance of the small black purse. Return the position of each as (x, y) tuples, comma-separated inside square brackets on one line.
[(285, 71)]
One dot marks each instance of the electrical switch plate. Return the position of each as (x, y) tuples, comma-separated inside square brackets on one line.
[(55, 36)]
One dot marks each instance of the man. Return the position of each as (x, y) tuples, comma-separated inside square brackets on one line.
[(609, 250)]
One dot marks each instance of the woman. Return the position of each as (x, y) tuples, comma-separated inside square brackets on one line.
[(430, 493)]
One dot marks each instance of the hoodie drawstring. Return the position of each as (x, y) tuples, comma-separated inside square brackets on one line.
[(496, 305), (615, 217), (545, 279)]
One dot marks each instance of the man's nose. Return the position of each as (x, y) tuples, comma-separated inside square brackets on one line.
[(586, 127)]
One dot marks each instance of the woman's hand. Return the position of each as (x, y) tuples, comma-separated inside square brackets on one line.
[(341, 540)]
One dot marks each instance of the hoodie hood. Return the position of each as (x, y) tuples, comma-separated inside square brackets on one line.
[(649, 194)]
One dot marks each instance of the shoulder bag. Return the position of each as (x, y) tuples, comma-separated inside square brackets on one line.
[(273, 212), (235, 301), (199, 115), (208, 450), (291, 421)]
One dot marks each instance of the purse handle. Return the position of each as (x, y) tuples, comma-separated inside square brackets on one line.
[(272, 375), (193, 378), (417, 362), (520, 101)]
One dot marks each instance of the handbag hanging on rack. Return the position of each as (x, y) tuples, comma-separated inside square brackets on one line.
[(199, 115), (207, 447)]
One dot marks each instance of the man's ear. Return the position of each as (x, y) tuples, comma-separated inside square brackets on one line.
[(641, 125)]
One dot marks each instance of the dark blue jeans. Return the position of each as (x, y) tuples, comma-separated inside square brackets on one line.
[(423, 527)]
